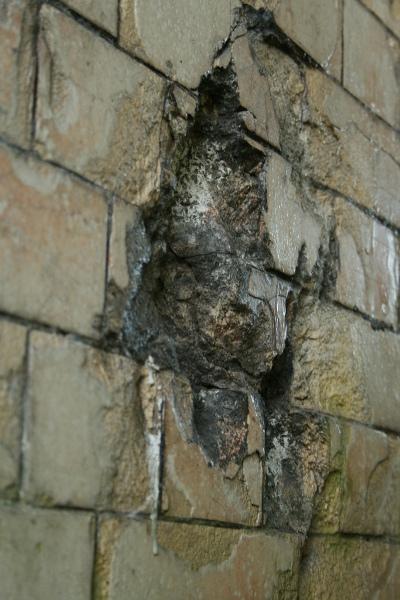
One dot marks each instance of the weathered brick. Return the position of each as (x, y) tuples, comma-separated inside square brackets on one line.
[(254, 93), (179, 37), (45, 554), (85, 439), (195, 562), (315, 25), (368, 273), (348, 567), (52, 244), (103, 13), (371, 482), (12, 353), (343, 367), (371, 75), (227, 487), (388, 11), (105, 128), (330, 136), (16, 69), (293, 229)]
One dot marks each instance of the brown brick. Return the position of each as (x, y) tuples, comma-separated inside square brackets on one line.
[(45, 554), (193, 562), (52, 244), (16, 69), (343, 367), (370, 62), (349, 568), (12, 352), (106, 128), (86, 438)]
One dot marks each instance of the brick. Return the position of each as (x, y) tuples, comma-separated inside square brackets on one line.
[(45, 554), (388, 11), (52, 244), (330, 136), (12, 353), (349, 568), (254, 93), (293, 230), (193, 562), (85, 439), (343, 367), (368, 274), (371, 481), (16, 70), (105, 128), (201, 481), (180, 38), (371, 75), (306, 23), (103, 13)]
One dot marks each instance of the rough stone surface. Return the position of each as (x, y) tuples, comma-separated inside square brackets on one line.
[(368, 274), (52, 245), (103, 13), (366, 569), (107, 129), (45, 554), (343, 367), (193, 562), (12, 353), (388, 11), (86, 429), (16, 69), (371, 76), (305, 22), (180, 37)]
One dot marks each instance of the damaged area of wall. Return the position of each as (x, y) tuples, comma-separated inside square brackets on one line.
[(199, 301)]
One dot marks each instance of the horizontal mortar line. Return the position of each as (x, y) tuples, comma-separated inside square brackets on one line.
[(378, 18), (364, 209), (296, 408), (373, 538), (376, 325), (112, 40), (35, 155)]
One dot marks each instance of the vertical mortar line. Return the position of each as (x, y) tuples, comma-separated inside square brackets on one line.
[(35, 43), (95, 547), (342, 2), (24, 415), (110, 200), (119, 18)]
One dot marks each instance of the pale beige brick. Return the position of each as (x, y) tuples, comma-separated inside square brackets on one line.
[(52, 244), (371, 59), (388, 11), (368, 274), (99, 116), (45, 554), (179, 37), (16, 69), (12, 353), (103, 13), (85, 439), (194, 562)]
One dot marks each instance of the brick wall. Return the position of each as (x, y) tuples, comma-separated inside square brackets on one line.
[(199, 299)]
